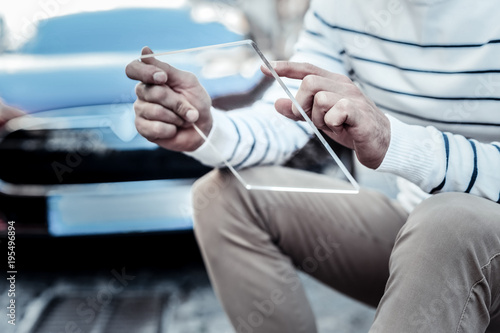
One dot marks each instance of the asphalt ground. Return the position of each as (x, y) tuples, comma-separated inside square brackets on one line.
[(163, 269)]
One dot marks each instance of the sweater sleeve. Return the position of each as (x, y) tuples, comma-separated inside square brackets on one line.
[(443, 162), (259, 135)]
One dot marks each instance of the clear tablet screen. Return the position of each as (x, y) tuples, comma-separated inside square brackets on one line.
[(231, 74)]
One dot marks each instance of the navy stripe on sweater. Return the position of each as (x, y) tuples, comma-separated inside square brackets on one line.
[(448, 98), (471, 123), (314, 33), (251, 149), (268, 146), (447, 149), (332, 26), (326, 55), (237, 142), (474, 171), (428, 71)]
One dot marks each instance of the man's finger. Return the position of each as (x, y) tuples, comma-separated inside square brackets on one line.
[(169, 99), (157, 112), (299, 70), (324, 101), (284, 106), (145, 72), (7, 113), (149, 74), (10, 112), (312, 84), (155, 130), (340, 116), (174, 76)]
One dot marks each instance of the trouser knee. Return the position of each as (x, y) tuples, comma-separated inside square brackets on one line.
[(452, 220), (447, 228)]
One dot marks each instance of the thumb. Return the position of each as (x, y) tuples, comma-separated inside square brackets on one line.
[(145, 71), (174, 76)]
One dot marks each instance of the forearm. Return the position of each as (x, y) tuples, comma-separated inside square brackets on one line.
[(443, 162)]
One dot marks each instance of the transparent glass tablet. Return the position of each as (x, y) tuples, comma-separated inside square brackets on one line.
[(231, 74)]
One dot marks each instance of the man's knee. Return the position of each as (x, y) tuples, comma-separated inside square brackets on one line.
[(453, 221)]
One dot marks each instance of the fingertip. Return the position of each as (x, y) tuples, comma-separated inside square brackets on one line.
[(285, 107), (334, 121), (147, 55), (275, 65), (146, 50), (160, 77), (192, 115), (170, 131), (330, 119), (279, 65), (282, 105), (264, 69)]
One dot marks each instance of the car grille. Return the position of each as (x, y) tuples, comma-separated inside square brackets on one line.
[(48, 157)]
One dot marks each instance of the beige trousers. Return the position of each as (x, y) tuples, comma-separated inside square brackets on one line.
[(436, 270)]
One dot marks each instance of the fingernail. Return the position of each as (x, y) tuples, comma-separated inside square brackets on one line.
[(192, 115), (160, 77)]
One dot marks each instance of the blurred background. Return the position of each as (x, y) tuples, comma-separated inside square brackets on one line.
[(103, 225)]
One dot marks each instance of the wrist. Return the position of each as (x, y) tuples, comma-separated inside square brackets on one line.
[(412, 153), (206, 128), (220, 133)]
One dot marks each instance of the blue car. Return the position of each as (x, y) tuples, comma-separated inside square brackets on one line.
[(76, 165)]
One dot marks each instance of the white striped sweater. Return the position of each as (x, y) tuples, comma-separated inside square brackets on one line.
[(432, 64)]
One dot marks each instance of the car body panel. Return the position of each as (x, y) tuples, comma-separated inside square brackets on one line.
[(77, 161)]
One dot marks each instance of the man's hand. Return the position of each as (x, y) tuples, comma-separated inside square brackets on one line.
[(339, 108), (8, 112), (169, 102)]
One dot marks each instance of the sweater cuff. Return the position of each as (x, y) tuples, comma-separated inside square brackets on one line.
[(414, 154), (222, 137)]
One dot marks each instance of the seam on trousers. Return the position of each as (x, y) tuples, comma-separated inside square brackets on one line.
[(472, 288)]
